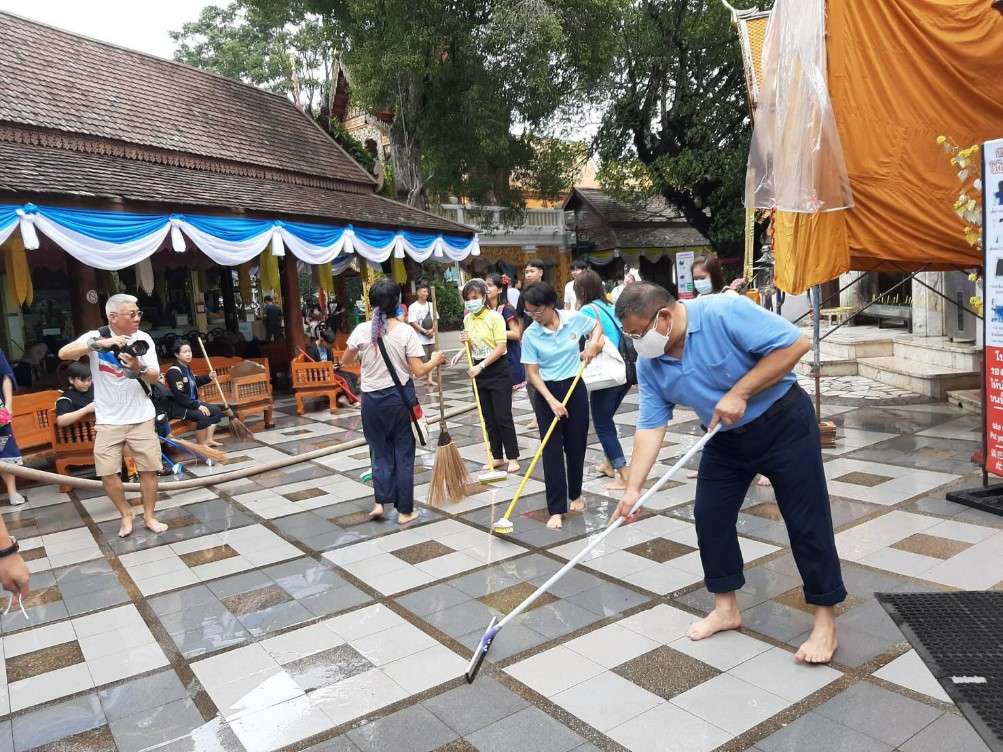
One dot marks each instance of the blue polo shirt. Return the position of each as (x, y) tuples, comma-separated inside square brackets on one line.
[(726, 336), (610, 326), (556, 352)]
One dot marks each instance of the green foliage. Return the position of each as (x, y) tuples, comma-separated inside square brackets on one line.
[(447, 297), (352, 145), (678, 115)]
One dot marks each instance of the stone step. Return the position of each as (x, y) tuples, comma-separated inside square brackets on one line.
[(830, 366), (969, 400), (939, 351), (841, 346), (922, 378)]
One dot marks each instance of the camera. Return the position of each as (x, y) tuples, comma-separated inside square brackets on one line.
[(136, 349)]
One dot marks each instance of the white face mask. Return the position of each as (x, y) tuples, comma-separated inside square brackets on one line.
[(652, 344), (703, 286), (474, 306)]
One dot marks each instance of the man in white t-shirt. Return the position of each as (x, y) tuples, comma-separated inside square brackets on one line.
[(124, 414), (419, 316), (570, 299)]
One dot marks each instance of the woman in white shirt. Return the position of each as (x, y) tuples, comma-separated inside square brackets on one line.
[(386, 421)]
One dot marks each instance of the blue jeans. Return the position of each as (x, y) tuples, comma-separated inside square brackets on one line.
[(605, 403), (387, 428)]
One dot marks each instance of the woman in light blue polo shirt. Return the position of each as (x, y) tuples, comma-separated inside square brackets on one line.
[(552, 358)]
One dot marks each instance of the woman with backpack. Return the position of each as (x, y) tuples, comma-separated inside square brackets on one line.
[(498, 300), (604, 402)]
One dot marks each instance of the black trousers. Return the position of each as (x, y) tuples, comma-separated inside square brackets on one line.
[(204, 421), (387, 428), (785, 447), (494, 386), (567, 444)]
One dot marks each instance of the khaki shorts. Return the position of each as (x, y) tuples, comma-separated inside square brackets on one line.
[(140, 438), (429, 349)]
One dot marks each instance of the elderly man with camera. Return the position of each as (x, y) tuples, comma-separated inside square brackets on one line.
[(123, 365)]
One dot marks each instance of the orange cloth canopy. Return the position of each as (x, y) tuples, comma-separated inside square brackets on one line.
[(901, 73)]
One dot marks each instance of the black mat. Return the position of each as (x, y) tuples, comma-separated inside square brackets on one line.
[(959, 636)]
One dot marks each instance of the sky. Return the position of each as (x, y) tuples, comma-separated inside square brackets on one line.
[(137, 24)]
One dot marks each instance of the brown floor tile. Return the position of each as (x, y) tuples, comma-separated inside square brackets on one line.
[(20, 524), (457, 745), (863, 479), (666, 672), (35, 553), (208, 555), (795, 599), (507, 599), (296, 432), (183, 521), (307, 493), (351, 520), (542, 515), (256, 600), (43, 595), (660, 550), (766, 509), (239, 458), (420, 552), (328, 667), (931, 545), (93, 740), (43, 661)]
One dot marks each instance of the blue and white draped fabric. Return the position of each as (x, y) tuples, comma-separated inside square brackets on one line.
[(116, 240)]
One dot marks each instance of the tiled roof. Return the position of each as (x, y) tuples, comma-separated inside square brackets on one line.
[(654, 210), (52, 79), (679, 235), (32, 172)]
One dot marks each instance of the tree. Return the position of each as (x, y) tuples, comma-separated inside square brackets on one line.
[(677, 122)]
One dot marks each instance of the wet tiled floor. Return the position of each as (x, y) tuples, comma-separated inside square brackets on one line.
[(275, 614)]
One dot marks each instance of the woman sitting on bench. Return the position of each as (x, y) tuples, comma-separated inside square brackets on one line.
[(185, 402)]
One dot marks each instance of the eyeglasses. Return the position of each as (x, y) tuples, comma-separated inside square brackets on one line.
[(636, 337), (538, 314), (130, 315)]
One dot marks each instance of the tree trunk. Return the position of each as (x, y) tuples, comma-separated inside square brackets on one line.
[(405, 152)]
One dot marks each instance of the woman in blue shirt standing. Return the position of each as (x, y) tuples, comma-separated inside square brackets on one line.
[(552, 357), (605, 402)]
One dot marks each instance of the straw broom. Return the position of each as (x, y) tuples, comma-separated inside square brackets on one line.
[(237, 429), (450, 478)]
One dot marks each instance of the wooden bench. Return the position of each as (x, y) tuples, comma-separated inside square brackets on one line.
[(840, 314), (314, 380), (73, 445), (252, 394), (30, 423), (222, 365)]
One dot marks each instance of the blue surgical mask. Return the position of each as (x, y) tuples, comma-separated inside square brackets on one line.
[(703, 286), (474, 306)]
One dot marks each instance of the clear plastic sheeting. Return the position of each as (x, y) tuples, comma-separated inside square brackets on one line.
[(796, 162)]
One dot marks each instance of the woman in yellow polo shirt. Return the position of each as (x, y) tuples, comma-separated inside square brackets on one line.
[(484, 332)]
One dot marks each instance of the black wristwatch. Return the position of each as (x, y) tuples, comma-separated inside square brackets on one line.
[(13, 548)]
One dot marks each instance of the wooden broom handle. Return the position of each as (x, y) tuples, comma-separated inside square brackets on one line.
[(211, 370), (438, 370)]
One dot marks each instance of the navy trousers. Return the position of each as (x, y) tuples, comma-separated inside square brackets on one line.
[(785, 447), (567, 443), (387, 428)]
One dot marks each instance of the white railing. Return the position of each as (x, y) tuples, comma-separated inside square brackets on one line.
[(495, 219)]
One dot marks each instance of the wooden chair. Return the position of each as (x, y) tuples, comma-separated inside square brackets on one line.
[(30, 423), (250, 395), (73, 445), (314, 380)]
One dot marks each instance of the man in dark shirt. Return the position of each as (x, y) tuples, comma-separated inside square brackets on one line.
[(273, 320), (533, 272)]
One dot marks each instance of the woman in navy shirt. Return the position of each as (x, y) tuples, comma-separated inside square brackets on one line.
[(184, 385)]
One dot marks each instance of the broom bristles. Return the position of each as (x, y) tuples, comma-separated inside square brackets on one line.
[(451, 480), (201, 449), (238, 430)]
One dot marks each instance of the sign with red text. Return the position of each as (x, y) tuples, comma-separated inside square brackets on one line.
[(992, 298), (684, 275)]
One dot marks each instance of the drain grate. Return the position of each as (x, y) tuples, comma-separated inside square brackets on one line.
[(959, 636)]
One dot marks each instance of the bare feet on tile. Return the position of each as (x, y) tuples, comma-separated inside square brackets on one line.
[(821, 644), (725, 616), (513, 466), (154, 525), (125, 529), (555, 522), (763, 481), (576, 506), (403, 519), (377, 512)]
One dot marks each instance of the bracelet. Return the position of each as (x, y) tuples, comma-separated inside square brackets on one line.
[(13, 548)]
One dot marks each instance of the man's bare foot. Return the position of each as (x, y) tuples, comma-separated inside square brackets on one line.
[(430, 383), (576, 506), (821, 644), (403, 519), (214, 444), (377, 512), (718, 620), (763, 481), (618, 485), (513, 466), (153, 525), (125, 529), (533, 424), (495, 464), (692, 475), (555, 523), (605, 469)]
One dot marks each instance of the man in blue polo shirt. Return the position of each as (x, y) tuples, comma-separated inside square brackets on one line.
[(731, 362)]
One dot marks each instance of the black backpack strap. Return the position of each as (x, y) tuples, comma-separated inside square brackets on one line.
[(397, 381)]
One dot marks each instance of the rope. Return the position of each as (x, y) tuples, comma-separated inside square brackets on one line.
[(55, 479)]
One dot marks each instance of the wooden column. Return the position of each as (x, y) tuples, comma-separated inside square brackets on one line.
[(295, 338), (86, 315)]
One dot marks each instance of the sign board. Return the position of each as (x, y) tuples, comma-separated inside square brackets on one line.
[(992, 297), (684, 275)]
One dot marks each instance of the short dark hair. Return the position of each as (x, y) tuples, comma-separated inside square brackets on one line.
[(536, 264), (178, 344), (714, 271), (421, 286), (589, 287), (269, 299), (642, 299), (539, 294), (579, 264), (78, 370), (474, 285)]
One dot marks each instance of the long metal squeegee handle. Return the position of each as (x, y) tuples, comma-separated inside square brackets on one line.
[(602, 536)]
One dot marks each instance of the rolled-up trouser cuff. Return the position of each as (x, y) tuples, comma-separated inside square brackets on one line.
[(832, 598), (725, 584)]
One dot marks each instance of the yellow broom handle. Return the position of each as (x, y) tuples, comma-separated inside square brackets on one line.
[(480, 413), (209, 363), (546, 438)]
